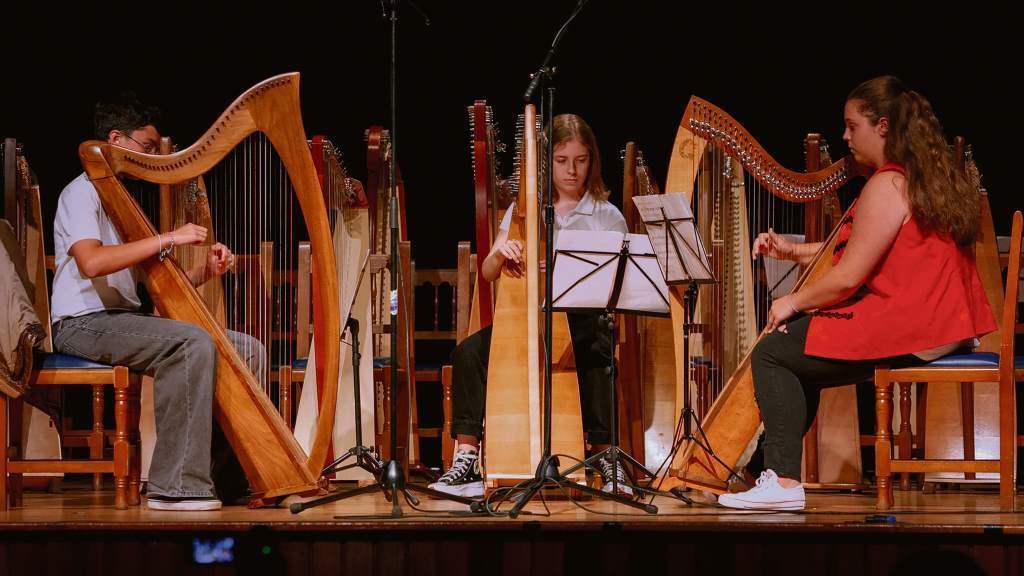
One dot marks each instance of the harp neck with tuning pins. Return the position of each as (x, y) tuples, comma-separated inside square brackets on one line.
[(489, 202), (348, 214), (273, 461), (379, 161)]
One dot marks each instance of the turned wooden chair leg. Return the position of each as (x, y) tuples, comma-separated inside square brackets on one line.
[(121, 448), (883, 438), (134, 440), (96, 441), (905, 432), (967, 417)]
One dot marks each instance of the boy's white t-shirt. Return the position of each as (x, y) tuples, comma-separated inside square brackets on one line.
[(80, 216)]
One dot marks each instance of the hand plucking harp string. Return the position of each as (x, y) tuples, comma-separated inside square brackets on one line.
[(771, 244), (782, 310), (189, 234), (219, 260), (512, 254), (776, 246)]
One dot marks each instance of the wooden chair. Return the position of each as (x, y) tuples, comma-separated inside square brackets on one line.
[(442, 302), (290, 376), (968, 368), (958, 420), (953, 424), (260, 294), (63, 370), (1003, 242), (405, 353)]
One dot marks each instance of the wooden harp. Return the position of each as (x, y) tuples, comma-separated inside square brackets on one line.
[(273, 461), (513, 442), (709, 143)]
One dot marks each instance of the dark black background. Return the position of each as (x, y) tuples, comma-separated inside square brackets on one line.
[(628, 67)]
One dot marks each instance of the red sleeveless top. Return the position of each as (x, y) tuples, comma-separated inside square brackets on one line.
[(924, 292)]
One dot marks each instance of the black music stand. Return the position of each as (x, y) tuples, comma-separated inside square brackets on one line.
[(683, 259), (609, 272), (365, 457), (589, 273)]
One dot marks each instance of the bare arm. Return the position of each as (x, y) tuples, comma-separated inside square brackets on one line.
[(881, 212), (803, 253), (504, 252), (771, 244), (94, 259)]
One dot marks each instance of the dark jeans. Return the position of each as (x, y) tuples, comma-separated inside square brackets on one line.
[(592, 347), (788, 385)]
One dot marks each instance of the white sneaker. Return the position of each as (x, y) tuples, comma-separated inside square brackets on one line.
[(189, 503), (768, 494)]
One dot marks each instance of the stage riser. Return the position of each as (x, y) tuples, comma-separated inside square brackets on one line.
[(528, 551)]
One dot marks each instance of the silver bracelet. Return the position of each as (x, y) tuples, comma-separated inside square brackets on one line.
[(795, 310), (165, 252)]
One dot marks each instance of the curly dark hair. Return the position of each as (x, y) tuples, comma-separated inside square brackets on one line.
[(124, 112), (940, 192)]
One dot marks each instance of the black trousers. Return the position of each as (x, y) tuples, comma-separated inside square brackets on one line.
[(592, 347), (788, 385)]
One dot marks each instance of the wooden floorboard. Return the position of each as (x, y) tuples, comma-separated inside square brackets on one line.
[(77, 507)]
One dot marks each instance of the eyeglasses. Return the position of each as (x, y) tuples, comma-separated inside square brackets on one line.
[(147, 148)]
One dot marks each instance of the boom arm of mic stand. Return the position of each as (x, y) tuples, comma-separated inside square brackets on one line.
[(545, 69)]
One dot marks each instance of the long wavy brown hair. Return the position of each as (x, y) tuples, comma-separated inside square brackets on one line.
[(572, 127), (941, 195)]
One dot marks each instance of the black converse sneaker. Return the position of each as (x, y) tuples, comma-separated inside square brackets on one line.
[(463, 478), (604, 464)]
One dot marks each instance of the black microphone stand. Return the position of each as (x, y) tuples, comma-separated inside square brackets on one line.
[(390, 473), (393, 470)]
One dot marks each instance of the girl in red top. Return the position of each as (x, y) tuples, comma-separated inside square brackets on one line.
[(903, 290)]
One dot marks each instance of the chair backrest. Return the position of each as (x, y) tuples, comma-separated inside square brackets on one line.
[(1004, 262), (303, 302), (440, 284), (986, 251), (37, 262), (1009, 320), (465, 292)]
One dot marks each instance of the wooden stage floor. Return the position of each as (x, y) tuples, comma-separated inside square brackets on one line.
[(839, 533)]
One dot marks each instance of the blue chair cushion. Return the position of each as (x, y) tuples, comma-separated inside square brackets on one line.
[(64, 361), (974, 359), (297, 364)]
